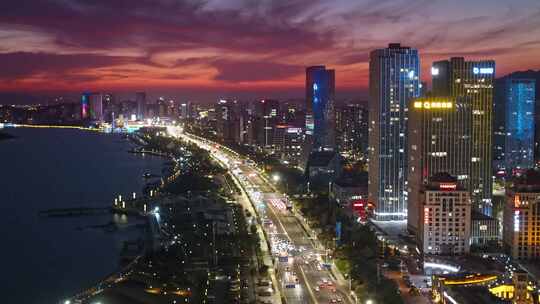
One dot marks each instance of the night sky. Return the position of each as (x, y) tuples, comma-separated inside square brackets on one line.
[(204, 49)]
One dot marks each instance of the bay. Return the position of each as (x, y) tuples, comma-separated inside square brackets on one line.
[(46, 259)]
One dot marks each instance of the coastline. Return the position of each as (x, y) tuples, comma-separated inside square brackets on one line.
[(54, 177), (119, 275)]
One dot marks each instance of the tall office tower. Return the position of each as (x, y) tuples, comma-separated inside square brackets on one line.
[(521, 221), (394, 75), (320, 120), (266, 112), (445, 220), (85, 110), (530, 74), (162, 107), (352, 130), (96, 106), (439, 141), (472, 79), (108, 106), (227, 121), (185, 110), (140, 98), (514, 124)]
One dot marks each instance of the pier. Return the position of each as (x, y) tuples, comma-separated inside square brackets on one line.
[(77, 211)]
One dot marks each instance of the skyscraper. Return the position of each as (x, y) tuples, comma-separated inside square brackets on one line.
[(352, 130), (140, 98), (439, 141), (266, 114), (514, 123), (394, 74), (185, 110), (320, 90), (472, 79), (92, 107), (85, 112), (96, 106), (227, 121)]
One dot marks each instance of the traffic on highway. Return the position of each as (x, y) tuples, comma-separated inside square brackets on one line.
[(303, 272)]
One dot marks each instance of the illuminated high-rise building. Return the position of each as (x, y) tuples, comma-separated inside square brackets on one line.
[(140, 98), (85, 110), (394, 74), (514, 124), (185, 110), (352, 130), (96, 107), (320, 118), (458, 78), (439, 141), (227, 121), (266, 114), (521, 221), (92, 107)]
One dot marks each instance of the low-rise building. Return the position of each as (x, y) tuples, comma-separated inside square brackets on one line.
[(323, 167), (346, 190), (521, 223), (484, 229), (445, 220)]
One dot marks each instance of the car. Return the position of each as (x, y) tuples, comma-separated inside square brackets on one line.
[(317, 288), (333, 301), (339, 300), (414, 291), (334, 290)]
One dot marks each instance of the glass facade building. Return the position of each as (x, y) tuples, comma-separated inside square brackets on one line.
[(394, 74), (140, 98), (439, 141), (519, 125), (320, 90), (85, 102), (473, 80)]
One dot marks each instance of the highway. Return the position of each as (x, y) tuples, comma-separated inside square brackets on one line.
[(299, 260)]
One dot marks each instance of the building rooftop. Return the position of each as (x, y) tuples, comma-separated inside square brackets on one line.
[(321, 158), (443, 181), (360, 182), (474, 295), (475, 215), (527, 182), (442, 177)]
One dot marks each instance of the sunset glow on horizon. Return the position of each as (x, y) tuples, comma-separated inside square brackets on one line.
[(251, 46)]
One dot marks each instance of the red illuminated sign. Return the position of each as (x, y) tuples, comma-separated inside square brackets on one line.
[(447, 186)]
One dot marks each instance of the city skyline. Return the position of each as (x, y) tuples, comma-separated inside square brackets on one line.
[(186, 48)]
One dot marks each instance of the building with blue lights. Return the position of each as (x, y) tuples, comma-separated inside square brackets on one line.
[(320, 120), (514, 123), (85, 110), (394, 74)]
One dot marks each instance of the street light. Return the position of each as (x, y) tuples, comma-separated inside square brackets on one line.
[(275, 178), (370, 302)]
